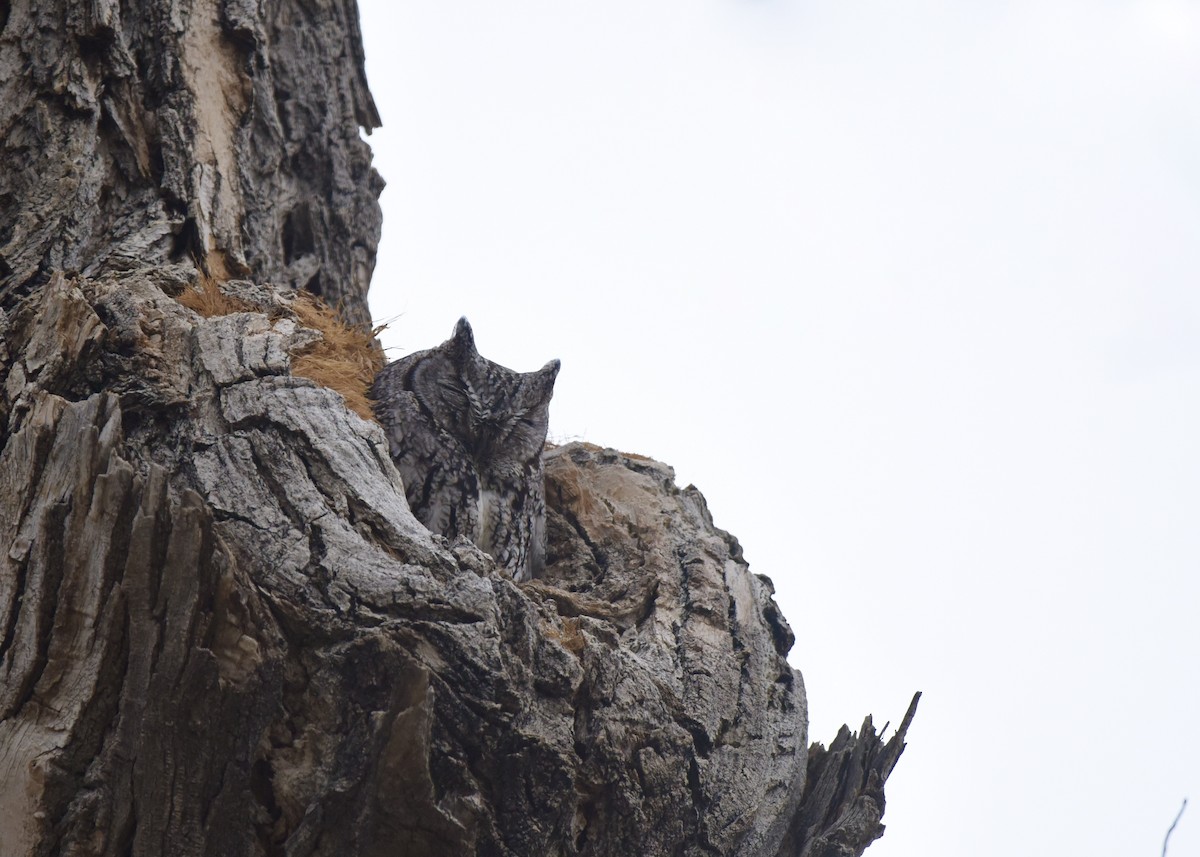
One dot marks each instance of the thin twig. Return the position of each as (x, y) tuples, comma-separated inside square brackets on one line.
[(1171, 829)]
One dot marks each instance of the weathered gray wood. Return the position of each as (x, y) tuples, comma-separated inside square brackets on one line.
[(225, 632), (222, 131), (843, 799), (222, 632), (694, 641)]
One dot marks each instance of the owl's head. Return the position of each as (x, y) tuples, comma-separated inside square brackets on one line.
[(499, 415)]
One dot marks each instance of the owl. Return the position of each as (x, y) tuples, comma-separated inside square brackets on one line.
[(467, 436)]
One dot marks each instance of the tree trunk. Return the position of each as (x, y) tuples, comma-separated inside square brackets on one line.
[(222, 632), (220, 132)]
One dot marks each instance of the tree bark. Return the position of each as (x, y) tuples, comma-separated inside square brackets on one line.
[(221, 132), (222, 632)]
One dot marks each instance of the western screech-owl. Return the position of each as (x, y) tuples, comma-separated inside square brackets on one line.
[(467, 436)]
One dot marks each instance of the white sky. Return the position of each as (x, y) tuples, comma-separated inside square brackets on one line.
[(911, 291)]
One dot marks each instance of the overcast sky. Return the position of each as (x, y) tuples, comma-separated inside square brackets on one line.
[(911, 292)]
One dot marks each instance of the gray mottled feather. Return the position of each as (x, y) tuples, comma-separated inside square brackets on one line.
[(467, 436)]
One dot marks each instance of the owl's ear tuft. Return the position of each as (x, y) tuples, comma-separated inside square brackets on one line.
[(545, 379), (463, 340)]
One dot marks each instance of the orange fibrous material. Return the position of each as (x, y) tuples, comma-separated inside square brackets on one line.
[(208, 299), (345, 359)]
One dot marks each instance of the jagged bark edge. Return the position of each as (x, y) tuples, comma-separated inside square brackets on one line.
[(841, 810)]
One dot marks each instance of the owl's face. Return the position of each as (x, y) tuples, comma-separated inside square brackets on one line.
[(499, 415)]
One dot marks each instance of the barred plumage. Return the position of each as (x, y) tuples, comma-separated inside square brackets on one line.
[(467, 436)]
